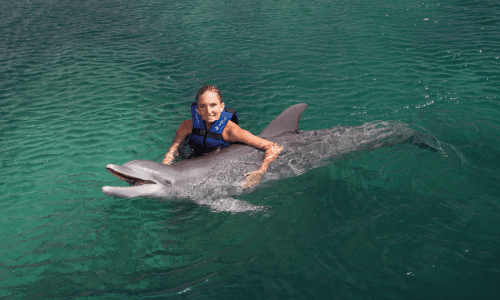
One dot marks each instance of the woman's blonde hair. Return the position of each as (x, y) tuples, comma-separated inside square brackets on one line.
[(208, 88)]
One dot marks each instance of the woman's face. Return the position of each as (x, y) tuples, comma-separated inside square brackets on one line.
[(210, 107)]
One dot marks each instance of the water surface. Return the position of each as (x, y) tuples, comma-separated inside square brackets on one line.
[(86, 83)]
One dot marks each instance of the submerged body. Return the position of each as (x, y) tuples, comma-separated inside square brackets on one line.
[(221, 174)]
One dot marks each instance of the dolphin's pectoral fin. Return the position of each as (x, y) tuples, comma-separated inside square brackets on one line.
[(133, 181), (229, 204)]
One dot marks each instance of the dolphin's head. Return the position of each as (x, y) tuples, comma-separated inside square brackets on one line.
[(146, 178)]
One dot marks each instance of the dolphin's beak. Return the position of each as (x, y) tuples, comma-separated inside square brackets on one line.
[(139, 187), (107, 190), (130, 192), (124, 174)]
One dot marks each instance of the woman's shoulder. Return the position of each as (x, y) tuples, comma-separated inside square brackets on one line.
[(188, 123), (234, 133), (231, 126), (186, 126)]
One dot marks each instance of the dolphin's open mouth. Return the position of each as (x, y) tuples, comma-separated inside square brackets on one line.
[(133, 181)]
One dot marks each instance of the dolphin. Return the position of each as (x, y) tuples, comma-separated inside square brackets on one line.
[(219, 175)]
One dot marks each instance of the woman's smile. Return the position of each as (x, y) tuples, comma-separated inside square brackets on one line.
[(210, 107)]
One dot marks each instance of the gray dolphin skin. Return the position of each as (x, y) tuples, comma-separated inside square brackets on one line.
[(220, 174)]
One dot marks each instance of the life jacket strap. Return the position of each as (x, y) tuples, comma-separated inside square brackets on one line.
[(204, 133)]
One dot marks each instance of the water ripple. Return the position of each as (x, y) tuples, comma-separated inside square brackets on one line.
[(86, 83)]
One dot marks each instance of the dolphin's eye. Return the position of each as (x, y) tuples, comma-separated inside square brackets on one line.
[(168, 182)]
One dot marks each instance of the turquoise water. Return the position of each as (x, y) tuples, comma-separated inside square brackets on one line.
[(87, 83)]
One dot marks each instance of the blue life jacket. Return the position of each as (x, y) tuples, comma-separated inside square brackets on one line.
[(202, 140)]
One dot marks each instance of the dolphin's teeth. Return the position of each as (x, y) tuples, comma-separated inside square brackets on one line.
[(133, 181)]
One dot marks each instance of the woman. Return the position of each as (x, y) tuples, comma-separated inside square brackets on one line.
[(221, 131)]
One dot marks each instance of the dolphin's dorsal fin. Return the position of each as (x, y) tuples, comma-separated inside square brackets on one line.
[(288, 120)]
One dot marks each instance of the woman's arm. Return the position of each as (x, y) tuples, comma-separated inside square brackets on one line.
[(182, 132), (233, 133)]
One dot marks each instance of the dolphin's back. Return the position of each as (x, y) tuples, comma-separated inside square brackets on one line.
[(288, 120)]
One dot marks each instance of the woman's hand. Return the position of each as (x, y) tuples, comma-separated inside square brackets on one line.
[(182, 132), (272, 152), (169, 158), (252, 178)]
